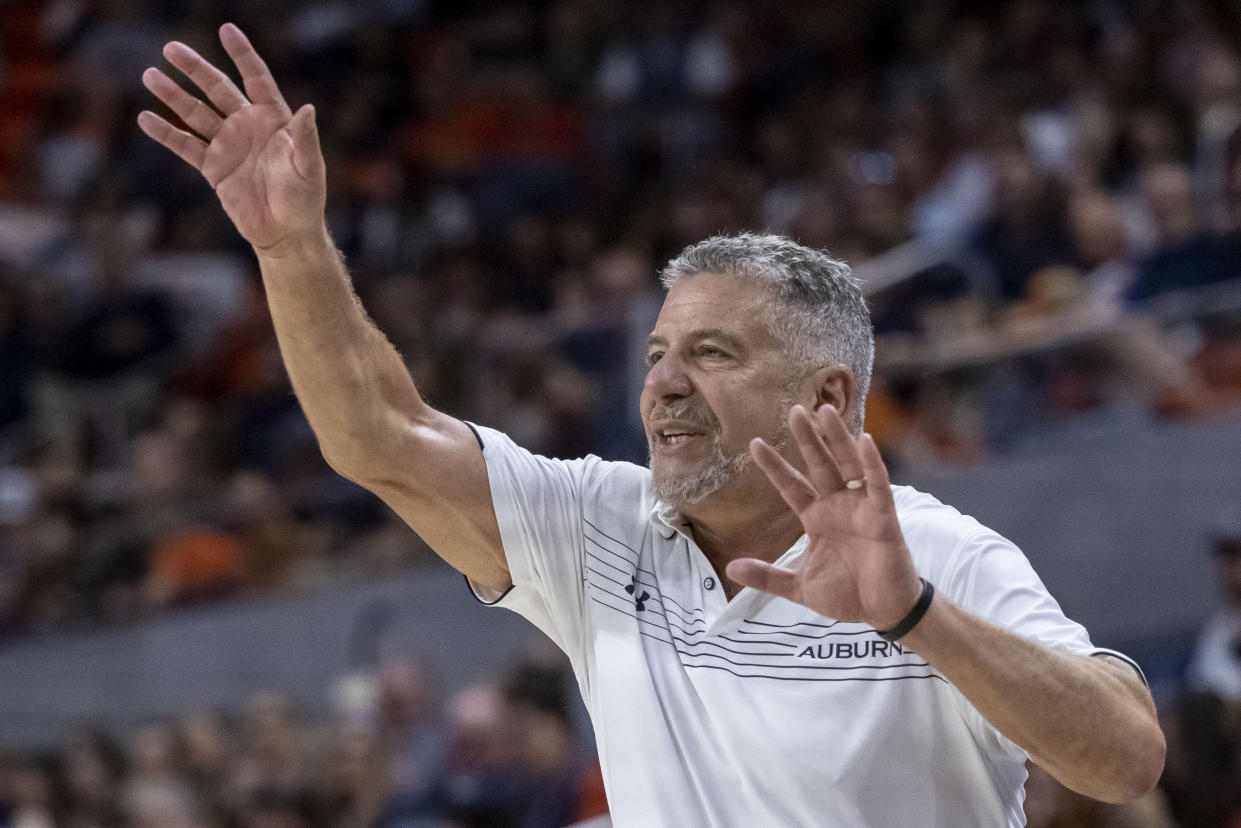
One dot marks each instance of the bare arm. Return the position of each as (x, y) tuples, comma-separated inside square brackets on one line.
[(266, 167), (1087, 720), (1090, 723)]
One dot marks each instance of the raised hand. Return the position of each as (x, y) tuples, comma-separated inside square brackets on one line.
[(856, 567), (263, 161)]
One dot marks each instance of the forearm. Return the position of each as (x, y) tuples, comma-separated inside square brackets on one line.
[(349, 379), (1085, 721)]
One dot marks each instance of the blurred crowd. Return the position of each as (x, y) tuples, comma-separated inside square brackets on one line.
[(1044, 199), (503, 755), (1024, 185)]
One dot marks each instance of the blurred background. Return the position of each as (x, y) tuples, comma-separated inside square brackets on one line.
[(202, 625)]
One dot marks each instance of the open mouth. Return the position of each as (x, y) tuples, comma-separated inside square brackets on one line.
[(674, 435)]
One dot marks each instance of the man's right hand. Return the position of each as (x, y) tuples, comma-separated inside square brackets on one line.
[(262, 160)]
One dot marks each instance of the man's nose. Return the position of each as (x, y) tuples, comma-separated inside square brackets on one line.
[(668, 379)]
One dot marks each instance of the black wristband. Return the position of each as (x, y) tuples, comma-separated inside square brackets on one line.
[(911, 620)]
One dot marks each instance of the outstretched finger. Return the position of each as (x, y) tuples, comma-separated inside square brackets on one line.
[(216, 85), (789, 482), (307, 157), (876, 471), (260, 85), (758, 574), (197, 115), (190, 148), (840, 443), (820, 465)]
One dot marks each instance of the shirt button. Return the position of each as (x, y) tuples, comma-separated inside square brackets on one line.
[(709, 583)]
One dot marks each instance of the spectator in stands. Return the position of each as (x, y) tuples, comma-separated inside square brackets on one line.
[(210, 753), (1026, 232), (1096, 224), (358, 782), (1185, 255), (410, 723), (162, 804), (273, 753), (118, 345), (156, 754), (561, 783), (1216, 663), (28, 798), (274, 807), (1203, 774), (480, 785), (93, 768), (16, 360)]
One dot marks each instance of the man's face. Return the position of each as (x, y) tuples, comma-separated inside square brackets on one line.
[(718, 378)]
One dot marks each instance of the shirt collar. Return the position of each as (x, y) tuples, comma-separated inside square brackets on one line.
[(668, 522)]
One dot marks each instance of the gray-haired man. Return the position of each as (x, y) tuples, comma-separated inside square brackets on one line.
[(752, 620)]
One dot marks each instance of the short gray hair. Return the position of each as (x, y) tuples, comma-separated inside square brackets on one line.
[(819, 313)]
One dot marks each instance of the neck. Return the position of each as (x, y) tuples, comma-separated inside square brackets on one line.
[(729, 528)]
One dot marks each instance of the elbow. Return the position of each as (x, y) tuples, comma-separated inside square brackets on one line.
[(363, 450), (345, 468), (364, 462), (348, 464), (1149, 767), (1140, 771), (342, 454), (382, 451), (365, 468)]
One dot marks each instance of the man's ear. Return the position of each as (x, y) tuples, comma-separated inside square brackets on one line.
[(834, 384)]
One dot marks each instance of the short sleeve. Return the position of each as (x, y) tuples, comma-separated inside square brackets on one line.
[(538, 504), (991, 578)]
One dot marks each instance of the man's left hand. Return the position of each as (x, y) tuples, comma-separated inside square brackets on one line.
[(856, 565)]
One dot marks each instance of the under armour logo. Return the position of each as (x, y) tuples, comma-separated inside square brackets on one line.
[(639, 601)]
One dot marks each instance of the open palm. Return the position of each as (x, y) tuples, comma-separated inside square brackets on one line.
[(263, 161), (856, 566)]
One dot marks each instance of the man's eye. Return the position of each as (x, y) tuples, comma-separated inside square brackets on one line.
[(654, 357), (710, 351)]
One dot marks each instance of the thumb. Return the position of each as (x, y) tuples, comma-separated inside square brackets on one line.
[(758, 574), (307, 157)]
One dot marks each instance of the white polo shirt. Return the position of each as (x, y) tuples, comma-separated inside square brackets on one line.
[(758, 712)]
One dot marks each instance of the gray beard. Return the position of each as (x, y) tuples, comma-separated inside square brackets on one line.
[(688, 490), (720, 469)]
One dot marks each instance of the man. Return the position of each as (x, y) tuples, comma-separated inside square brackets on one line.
[(1215, 666), (722, 610)]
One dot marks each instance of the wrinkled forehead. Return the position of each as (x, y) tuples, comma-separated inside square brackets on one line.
[(721, 304), (719, 301)]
